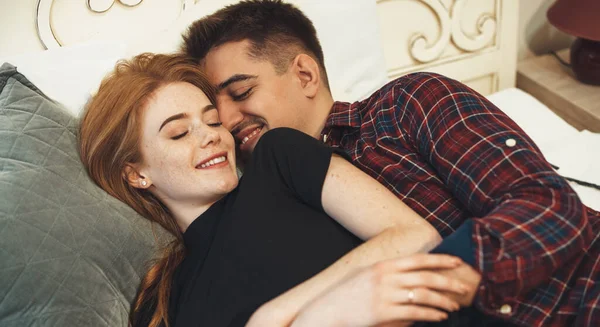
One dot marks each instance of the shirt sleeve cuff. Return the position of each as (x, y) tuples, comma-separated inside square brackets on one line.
[(459, 243)]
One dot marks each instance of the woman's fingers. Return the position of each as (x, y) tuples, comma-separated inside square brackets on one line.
[(424, 297), (401, 290), (414, 313), (427, 261), (428, 279)]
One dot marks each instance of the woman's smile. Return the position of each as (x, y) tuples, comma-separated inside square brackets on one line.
[(218, 160)]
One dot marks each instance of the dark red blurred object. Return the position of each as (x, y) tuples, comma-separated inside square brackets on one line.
[(580, 18)]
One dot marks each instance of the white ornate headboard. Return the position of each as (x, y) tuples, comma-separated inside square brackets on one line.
[(470, 40)]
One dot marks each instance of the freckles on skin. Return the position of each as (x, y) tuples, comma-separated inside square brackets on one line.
[(170, 163)]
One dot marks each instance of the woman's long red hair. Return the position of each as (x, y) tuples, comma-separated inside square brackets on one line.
[(109, 138)]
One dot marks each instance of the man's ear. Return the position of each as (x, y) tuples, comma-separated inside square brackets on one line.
[(308, 73), (136, 179)]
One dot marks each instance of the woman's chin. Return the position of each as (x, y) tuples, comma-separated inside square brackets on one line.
[(228, 184)]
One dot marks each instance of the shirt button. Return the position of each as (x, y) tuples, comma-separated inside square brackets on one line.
[(510, 143), (505, 309), (325, 138)]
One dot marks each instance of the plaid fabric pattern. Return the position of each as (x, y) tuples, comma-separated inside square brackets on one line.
[(451, 155)]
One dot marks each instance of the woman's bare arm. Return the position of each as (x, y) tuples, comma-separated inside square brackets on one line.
[(370, 211), (367, 208)]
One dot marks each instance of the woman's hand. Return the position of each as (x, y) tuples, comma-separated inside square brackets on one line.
[(399, 290)]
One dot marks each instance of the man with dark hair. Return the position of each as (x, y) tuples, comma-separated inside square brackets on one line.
[(446, 151)]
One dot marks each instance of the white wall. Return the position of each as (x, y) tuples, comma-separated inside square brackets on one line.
[(536, 35), (17, 25)]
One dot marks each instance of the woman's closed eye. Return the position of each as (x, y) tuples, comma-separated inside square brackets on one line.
[(178, 136), (211, 118), (241, 96)]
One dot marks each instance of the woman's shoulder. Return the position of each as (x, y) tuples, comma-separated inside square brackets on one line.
[(277, 147), (275, 155), (282, 137)]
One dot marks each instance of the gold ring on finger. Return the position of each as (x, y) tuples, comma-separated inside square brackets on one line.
[(411, 296)]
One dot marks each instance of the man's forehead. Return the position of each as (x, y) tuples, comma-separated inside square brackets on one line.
[(230, 60)]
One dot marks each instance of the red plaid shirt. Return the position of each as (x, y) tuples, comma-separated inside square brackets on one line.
[(453, 157)]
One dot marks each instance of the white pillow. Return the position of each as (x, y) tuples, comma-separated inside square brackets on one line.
[(348, 32), (544, 127), (577, 157), (561, 144), (351, 41), (69, 74)]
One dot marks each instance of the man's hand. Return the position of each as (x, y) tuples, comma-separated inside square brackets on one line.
[(468, 277)]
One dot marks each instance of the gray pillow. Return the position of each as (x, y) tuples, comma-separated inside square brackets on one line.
[(70, 255)]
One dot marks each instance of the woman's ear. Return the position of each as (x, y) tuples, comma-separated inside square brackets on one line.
[(308, 73), (135, 178)]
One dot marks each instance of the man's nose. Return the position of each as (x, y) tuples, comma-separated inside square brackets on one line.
[(230, 114)]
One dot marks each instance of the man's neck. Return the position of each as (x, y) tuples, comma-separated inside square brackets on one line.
[(321, 113)]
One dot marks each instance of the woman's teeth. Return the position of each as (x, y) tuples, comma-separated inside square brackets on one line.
[(213, 162), (253, 134)]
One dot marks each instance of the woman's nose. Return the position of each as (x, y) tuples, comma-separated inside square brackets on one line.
[(209, 136)]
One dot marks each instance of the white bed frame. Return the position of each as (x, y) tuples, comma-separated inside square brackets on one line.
[(474, 41), (471, 41)]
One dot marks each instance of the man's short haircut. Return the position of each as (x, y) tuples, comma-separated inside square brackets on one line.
[(277, 32)]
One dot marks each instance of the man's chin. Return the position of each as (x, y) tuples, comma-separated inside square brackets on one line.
[(246, 149)]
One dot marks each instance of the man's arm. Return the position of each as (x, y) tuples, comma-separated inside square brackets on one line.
[(526, 220)]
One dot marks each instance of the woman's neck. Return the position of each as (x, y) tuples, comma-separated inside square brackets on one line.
[(186, 213)]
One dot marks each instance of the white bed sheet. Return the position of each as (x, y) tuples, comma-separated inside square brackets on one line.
[(576, 153)]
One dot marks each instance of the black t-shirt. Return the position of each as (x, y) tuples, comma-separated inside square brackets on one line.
[(262, 239)]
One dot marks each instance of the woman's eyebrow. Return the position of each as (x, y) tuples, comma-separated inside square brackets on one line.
[(208, 107), (183, 115), (172, 118)]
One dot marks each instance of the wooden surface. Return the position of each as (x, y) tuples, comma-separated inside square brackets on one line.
[(555, 85)]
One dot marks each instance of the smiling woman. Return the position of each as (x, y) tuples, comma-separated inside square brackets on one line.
[(145, 105)]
